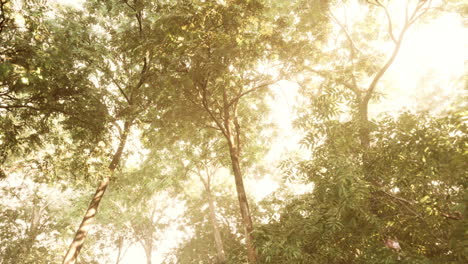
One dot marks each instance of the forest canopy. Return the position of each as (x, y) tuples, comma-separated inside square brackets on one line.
[(233, 131)]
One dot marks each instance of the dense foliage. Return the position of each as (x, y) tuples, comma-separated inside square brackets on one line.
[(418, 201), (173, 107)]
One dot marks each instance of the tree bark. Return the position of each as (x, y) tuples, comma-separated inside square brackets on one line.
[(148, 251), (365, 138), (78, 241), (243, 203), (220, 254), (364, 132), (217, 236), (119, 248)]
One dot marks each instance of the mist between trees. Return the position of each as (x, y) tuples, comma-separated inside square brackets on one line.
[(235, 131)]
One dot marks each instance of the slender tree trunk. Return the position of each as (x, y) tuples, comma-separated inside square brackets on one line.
[(234, 145), (34, 227), (217, 236), (243, 203), (148, 252), (77, 243), (220, 254), (119, 248)]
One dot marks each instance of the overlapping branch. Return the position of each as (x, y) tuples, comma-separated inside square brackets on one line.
[(418, 11)]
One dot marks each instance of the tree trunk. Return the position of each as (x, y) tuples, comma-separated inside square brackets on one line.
[(367, 170), (119, 248), (77, 243), (148, 251), (364, 132), (217, 236), (364, 138), (34, 227), (243, 203)]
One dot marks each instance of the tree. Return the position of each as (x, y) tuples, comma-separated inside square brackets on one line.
[(413, 218), (200, 156), (131, 58), (358, 211), (33, 219), (150, 221), (218, 56), (41, 88), (353, 70), (206, 172), (127, 115), (205, 162), (200, 245), (190, 80)]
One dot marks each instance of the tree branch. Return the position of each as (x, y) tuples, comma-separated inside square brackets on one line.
[(237, 128), (415, 15), (354, 48), (389, 21), (397, 198), (121, 90), (327, 75), (205, 105), (128, 4), (240, 95), (8, 107)]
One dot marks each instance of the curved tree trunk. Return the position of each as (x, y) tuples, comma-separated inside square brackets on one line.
[(78, 241), (243, 203)]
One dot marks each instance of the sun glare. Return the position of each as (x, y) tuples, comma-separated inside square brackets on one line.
[(433, 55)]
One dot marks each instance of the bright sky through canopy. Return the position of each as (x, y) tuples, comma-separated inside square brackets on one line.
[(432, 59), (433, 53)]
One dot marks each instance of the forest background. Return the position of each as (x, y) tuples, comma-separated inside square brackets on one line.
[(235, 131)]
